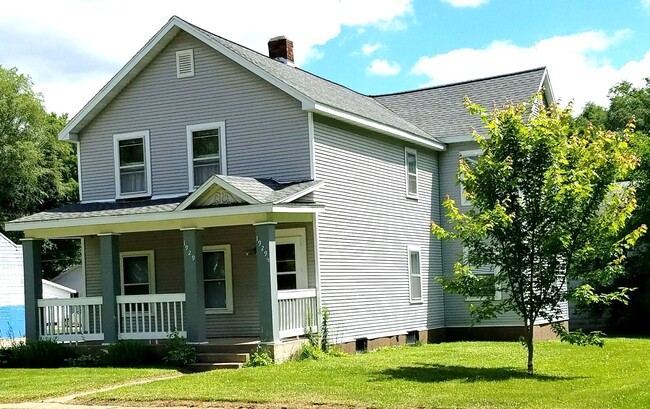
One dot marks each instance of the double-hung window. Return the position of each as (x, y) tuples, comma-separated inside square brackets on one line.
[(415, 274), (471, 158), (291, 259), (411, 164), (206, 150), (217, 279), (479, 272), (137, 271), (132, 164)]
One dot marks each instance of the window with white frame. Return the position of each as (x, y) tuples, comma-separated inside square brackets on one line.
[(411, 164), (217, 279), (291, 258), (206, 151), (132, 164), (137, 272), (482, 271), (471, 158), (415, 273)]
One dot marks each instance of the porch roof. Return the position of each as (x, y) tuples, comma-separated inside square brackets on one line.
[(235, 196)]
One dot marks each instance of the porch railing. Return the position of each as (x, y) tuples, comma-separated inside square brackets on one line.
[(298, 310), (71, 319), (150, 316)]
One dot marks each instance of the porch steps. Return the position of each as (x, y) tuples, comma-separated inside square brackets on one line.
[(221, 356)]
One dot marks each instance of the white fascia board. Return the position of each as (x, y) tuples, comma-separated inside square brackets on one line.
[(548, 89), (70, 131), (161, 216), (463, 138), (375, 126), (303, 192)]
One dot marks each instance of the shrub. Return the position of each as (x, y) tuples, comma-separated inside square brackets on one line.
[(42, 353), (85, 361), (259, 357), (310, 352), (129, 353), (177, 353)]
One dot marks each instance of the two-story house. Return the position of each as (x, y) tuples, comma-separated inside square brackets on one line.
[(229, 194)]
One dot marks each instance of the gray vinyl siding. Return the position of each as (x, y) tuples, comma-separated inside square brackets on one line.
[(168, 259), (456, 313), (365, 230), (266, 130)]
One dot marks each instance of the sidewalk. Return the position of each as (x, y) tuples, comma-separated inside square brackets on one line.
[(64, 401)]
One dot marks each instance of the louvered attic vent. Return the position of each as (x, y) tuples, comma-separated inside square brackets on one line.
[(185, 63)]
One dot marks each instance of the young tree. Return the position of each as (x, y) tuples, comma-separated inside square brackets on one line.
[(37, 171), (547, 208)]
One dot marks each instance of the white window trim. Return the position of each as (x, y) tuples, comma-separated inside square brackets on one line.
[(497, 291), (189, 51), (474, 152), (151, 267), (298, 237), (228, 260), (407, 152), (414, 249), (144, 135), (189, 129)]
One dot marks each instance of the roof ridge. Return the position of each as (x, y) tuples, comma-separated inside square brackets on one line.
[(451, 84)]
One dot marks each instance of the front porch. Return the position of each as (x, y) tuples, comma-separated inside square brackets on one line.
[(236, 258), (153, 316)]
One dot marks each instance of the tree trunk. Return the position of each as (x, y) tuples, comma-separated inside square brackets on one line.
[(529, 345)]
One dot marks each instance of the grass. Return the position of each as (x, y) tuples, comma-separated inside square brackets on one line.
[(19, 385), (458, 375)]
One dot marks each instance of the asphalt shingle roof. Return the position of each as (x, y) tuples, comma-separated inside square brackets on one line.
[(266, 191), (321, 90), (439, 110)]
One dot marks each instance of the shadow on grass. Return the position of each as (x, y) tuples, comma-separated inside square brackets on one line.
[(443, 373)]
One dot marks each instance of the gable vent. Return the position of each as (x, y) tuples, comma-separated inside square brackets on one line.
[(185, 63)]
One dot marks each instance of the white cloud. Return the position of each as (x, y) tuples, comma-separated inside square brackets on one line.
[(466, 3), (368, 49), (575, 68), (101, 31), (383, 68), (645, 4)]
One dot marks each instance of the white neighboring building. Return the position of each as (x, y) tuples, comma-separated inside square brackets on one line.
[(12, 295), (73, 278)]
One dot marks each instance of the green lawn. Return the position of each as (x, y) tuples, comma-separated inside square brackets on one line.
[(18, 385), (463, 374)]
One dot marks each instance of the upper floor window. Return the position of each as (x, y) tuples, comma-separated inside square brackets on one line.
[(411, 162), (471, 158), (206, 149), (132, 164)]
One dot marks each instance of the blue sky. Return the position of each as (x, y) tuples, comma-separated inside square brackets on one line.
[(71, 48)]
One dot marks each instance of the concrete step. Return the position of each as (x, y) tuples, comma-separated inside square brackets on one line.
[(225, 348), (217, 357), (211, 366)]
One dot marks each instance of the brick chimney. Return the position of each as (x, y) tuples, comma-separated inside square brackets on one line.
[(281, 49)]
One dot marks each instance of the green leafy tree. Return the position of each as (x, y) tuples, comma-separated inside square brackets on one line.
[(37, 171), (547, 208), (627, 102)]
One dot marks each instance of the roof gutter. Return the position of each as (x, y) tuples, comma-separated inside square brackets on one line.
[(374, 126)]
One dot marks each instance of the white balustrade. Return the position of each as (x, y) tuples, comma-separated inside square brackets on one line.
[(151, 316), (71, 319), (297, 309)]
